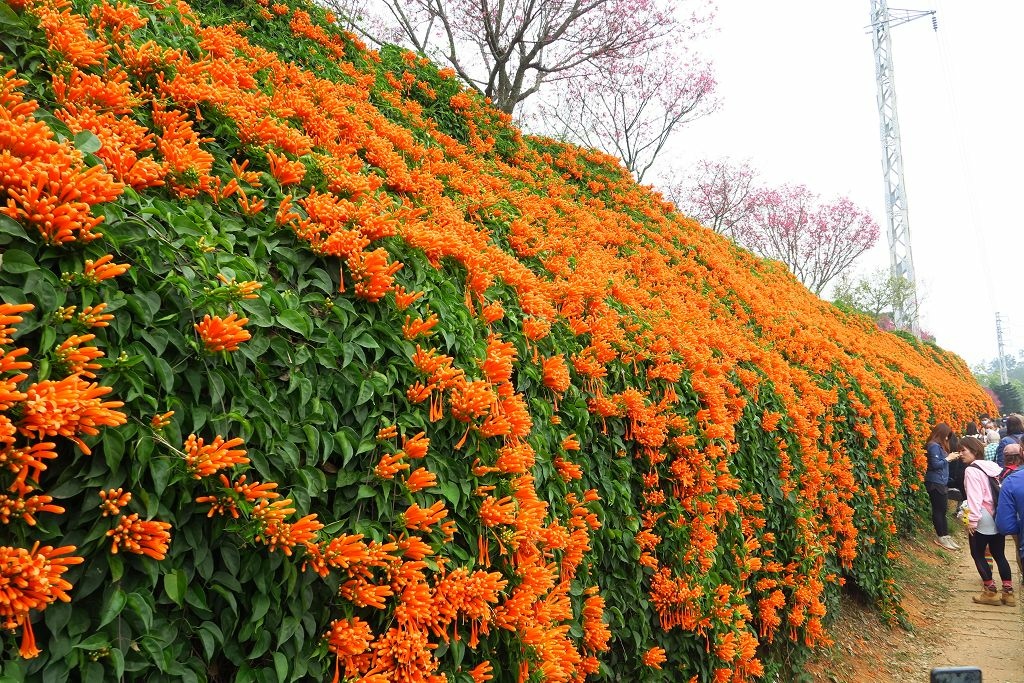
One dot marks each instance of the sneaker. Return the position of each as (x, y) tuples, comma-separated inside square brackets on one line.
[(953, 545), (987, 597), (1008, 598), (947, 543)]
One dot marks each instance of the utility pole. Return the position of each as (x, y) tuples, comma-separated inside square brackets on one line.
[(901, 261), (1003, 377)]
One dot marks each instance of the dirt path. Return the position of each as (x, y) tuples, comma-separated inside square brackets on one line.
[(1000, 652), (946, 627)]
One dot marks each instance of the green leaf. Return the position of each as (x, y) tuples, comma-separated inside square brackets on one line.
[(9, 226), (209, 644), (296, 322), (367, 341), (93, 673), (281, 666), (87, 142), (305, 391), (57, 616), (216, 387), (117, 661), (112, 606), (17, 261), (138, 604), (175, 586), (258, 312), (450, 492), (164, 373), (116, 565), (8, 16), (96, 641), (458, 650), (160, 470), (113, 448), (260, 605), (365, 392)]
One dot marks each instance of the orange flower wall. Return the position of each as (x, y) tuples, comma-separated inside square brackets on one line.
[(313, 367)]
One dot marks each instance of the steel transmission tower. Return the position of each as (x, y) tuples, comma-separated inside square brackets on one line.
[(1003, 378), (883, 19)]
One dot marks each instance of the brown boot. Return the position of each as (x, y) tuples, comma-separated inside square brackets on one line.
[(988, 597), (1008, 598)]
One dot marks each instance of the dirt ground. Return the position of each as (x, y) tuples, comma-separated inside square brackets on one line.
[(945, 627)]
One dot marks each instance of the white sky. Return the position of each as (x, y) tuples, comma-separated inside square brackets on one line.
[(797, 80)]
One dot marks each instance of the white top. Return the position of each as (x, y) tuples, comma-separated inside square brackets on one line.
[(986, 525)]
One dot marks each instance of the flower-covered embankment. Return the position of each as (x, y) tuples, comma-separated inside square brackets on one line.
[(314, 367)]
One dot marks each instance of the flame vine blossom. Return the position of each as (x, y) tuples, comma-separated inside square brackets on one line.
[(32, 579), (666, 333), (222, 334)]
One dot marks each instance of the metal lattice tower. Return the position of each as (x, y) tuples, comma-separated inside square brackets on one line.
[(901, 260), (1003, 378)]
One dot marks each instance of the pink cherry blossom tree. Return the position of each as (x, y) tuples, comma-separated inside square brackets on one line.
[(507, 49), (717, 193), (816, 240), (630, 107)]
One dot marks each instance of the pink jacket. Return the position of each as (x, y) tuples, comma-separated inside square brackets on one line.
[(978, 490)]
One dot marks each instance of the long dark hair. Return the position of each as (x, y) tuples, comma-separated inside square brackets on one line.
[(1014, 424), (941, 433), (971, 429)]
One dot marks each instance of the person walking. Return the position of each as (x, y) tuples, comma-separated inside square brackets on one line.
[(984, 534), (1014, 434), (935, 479), (1010, 510)]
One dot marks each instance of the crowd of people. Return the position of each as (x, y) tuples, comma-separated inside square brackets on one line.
[(981, 470)]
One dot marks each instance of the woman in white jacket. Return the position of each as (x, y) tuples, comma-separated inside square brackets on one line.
[(981, 522)]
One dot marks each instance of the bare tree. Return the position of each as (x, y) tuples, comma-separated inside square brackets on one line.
[(358, 17), (517, 45), (629, 108)]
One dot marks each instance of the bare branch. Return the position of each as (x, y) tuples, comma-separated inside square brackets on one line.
[(521, 44), (630, 108)]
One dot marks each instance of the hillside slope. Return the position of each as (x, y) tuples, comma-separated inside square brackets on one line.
[(314, 365)]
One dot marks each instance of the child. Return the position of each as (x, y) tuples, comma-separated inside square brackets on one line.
[(981, 521)]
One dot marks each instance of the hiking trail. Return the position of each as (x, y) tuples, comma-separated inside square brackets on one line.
[(982, 635), (947, 627)]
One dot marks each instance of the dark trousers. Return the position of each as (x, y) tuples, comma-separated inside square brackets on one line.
[(996, 543), (937, 495)]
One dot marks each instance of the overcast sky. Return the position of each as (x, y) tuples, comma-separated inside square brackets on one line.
[(797, 80)]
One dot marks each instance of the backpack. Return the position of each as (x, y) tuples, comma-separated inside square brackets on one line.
[(995, 484)]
